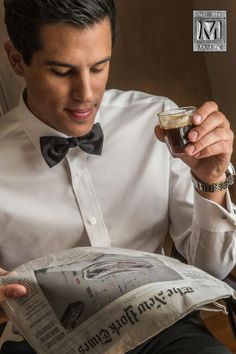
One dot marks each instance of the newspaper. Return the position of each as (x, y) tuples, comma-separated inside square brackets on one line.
[(106, 300)]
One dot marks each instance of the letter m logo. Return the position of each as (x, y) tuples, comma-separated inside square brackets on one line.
[(209, 30)]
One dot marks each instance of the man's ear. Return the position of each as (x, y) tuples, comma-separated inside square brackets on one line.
[(15, 58)]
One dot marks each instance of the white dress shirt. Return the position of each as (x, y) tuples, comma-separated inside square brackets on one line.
[(131, 196)]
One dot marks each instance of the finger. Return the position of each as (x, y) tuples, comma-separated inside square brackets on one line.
[(11, 291), (203, 112), (159, 133), (218, 135), (213, 150), (2, 272), (213, 121)]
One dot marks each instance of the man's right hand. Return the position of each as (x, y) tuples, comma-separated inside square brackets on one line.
[(10, 290)]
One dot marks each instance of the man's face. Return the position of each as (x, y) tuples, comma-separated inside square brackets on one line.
[(67, 77)]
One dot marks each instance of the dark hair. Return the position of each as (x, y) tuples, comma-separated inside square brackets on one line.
[(24, 18)]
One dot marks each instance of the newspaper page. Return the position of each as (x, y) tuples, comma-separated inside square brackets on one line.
[(98, 300)]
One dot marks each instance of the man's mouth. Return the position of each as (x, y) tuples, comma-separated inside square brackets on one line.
[(79, 114)]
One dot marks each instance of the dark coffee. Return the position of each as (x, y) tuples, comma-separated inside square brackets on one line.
[(177, 138)]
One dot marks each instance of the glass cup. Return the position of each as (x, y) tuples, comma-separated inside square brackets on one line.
[(175, 125)]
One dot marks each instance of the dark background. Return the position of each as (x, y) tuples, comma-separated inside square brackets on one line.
[(153, 53)]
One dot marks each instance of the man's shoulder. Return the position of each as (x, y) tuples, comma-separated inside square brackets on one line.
[(119, 98), (8, 124)]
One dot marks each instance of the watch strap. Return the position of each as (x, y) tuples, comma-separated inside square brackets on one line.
[(215, 187)]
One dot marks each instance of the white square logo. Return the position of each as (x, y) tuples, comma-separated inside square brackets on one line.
[(209, 31)]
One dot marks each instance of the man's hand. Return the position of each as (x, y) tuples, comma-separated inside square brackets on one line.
[(210, 147), (10, 290)]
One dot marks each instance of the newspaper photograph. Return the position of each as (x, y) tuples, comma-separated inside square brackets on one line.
[(100, 300)]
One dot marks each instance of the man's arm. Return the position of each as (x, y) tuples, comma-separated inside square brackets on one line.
[(210, 147), (209, 239), (203, 231)]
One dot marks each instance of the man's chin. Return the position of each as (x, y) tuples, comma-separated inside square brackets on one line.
[(79, 129)]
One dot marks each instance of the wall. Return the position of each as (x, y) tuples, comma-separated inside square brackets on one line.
[(10, 84), (154, 53), (222, 66)]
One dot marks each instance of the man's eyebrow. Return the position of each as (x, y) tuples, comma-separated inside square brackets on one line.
[(58, 63), (103, 61)]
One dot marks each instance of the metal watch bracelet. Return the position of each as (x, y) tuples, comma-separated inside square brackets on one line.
[(215, 187)]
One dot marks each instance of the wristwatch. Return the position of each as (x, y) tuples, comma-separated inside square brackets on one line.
[(215, 187)]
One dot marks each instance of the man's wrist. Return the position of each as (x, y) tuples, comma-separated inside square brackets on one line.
[(218, 186)]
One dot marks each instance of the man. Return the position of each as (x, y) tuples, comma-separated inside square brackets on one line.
[(58, 193)]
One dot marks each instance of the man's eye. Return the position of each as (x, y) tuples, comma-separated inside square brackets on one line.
[(62, 73), (97, 70)]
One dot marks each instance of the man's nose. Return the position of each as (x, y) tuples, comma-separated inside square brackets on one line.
[(82, 88)]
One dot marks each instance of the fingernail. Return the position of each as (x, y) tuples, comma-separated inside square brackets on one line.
[(197, 118), (193, 135), (21, 291), (190, 149)]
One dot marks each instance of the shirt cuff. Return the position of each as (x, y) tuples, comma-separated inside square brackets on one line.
[(213, 217)]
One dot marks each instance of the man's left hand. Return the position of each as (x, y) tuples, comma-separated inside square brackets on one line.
[(209, 151), (210, 146)]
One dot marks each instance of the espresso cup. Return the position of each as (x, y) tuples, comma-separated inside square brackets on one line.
[(175, 125)]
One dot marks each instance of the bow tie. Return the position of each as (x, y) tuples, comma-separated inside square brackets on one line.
[(55, 148)]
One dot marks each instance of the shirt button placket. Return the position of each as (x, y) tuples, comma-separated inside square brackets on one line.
[(87, 201)]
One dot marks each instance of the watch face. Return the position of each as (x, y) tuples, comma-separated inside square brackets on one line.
[(231, 169)]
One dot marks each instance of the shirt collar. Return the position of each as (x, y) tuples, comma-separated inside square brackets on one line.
[(34, 127)]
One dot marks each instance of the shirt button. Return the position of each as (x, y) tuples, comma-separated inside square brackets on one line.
[(93, 221), (78, 173)]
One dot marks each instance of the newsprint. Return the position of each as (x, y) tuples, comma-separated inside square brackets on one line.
[(96, 300)]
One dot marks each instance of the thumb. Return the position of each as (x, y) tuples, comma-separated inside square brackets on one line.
[(10, 290), (159, 134)]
